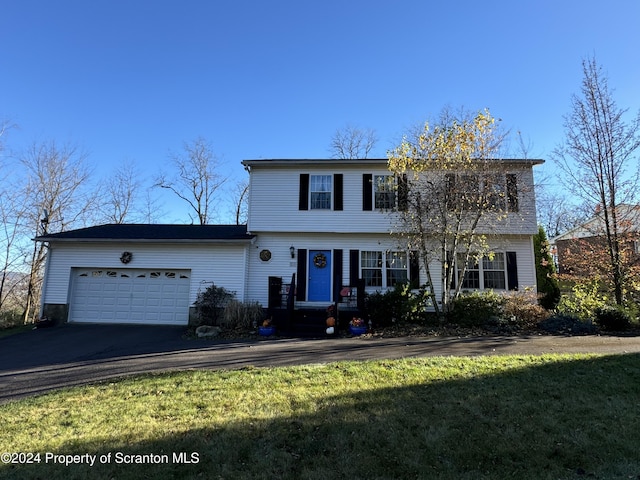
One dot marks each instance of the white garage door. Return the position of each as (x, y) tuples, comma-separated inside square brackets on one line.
[(130, 296)]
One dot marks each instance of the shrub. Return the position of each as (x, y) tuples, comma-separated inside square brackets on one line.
[(476, 309), (613, 318), (210, 304), (548, 286), (560, 323), (10, 318), (523, 310), (401, 304), (583, 300), (383, 309), (242, 314)]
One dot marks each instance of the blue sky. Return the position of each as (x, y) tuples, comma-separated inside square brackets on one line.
[(132, 80)]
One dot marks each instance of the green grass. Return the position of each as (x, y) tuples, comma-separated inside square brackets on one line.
[(5, 332), (533, 417)]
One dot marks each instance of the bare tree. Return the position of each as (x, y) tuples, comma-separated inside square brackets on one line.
[(56, 177), (599, 163), (241, 202), (12, 255), (12, 232), (352, 142), (121, 191), (455, 192), (196, 180)]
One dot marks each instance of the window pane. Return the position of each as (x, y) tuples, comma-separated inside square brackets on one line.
[(471, 278), (384, 191), (320, 188), (496, 264), (495, 191), (494, 272), (371, 263), (494, 280), (397, 264)]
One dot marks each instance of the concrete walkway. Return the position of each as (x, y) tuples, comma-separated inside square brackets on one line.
[(42, 360)]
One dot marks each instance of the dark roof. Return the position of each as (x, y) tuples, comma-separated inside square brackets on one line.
[(153, 232), (279, 162)]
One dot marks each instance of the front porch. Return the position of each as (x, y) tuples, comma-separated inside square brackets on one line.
[(297, 318)]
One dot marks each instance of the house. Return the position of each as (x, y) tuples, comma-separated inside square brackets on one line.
[(321, 226), (583, 249)]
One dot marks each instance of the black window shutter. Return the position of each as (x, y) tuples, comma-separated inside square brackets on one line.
[(337, 274), (403, 193), (512, 271), (304, 192), (414, 269), (301, 288), (512, 192), (367, 192), (354, 267), (337, 191)]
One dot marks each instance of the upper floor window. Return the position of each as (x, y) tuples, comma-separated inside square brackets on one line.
[(320, 191), (491, 191), (384, 193)]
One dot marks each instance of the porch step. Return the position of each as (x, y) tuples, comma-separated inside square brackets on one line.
[(306, 323)]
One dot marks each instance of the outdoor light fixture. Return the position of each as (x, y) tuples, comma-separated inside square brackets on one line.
[(292, 250)]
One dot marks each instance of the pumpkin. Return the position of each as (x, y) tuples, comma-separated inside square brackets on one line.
[(331, 322)]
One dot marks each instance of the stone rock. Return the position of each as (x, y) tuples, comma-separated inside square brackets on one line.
[(207, 331)]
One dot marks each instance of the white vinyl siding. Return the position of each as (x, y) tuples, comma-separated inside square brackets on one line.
[(224, 265), (274, 202)]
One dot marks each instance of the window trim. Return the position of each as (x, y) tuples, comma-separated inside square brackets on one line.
[(498, 188), (390, 182), (384, 260), (326, 182), (481, 267)]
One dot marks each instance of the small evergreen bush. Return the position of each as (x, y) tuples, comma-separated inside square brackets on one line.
[(476, 309), (401, 304), (567, 324), (613, 318), (210, 304)]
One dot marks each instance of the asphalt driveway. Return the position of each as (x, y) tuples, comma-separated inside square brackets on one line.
[(40, 360)]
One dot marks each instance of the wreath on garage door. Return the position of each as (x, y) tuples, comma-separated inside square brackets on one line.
[(126, 257), (320, 260)]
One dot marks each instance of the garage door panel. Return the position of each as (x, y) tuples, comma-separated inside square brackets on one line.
[(130, 296)]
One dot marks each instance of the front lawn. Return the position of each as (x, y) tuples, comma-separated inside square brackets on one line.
[(555, 417)]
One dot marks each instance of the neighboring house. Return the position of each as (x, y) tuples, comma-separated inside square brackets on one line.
[(323, 223), (576, 251)]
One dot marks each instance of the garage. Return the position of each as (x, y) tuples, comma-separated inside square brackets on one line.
[(126, 295)]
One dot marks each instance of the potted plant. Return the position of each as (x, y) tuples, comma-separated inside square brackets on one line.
[(266, 329), (357, 326)]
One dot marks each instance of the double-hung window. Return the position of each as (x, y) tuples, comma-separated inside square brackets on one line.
[(384, 192), (397, 267), (384, 269), (493, 271), (320, 192), (489, 273)]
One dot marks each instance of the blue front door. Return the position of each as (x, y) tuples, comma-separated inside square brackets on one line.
[(319, 281)]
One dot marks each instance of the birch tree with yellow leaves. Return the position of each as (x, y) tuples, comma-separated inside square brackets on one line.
[(457, 191)]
